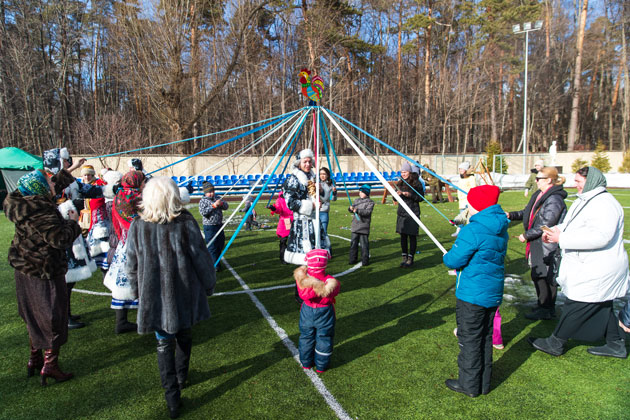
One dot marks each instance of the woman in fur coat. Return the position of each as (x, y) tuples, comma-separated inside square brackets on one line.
[(171, 272), (80, 265), (300, 195), (38, 257)]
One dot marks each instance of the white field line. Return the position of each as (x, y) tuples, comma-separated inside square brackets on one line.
[(319, 385)]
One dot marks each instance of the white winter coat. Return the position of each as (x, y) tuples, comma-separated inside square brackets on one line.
[(594, 265)]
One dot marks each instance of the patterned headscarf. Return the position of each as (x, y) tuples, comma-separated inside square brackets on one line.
[(33, 183), (125, 207)]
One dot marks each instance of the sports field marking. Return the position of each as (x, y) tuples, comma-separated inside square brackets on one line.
[(319, 385)]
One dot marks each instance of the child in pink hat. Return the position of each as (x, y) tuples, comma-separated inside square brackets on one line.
[(317, 314)]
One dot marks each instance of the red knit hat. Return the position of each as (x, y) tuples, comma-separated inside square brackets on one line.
[(317, 259), (483, 196)]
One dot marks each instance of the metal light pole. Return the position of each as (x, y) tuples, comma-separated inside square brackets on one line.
[(332, 69), (527, 28)]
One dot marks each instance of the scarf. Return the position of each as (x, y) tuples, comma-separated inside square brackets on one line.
[(126, 204), (594, 179), (33, 183)]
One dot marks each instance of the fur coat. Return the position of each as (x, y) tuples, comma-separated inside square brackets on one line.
[(171, 272), (41, 236)]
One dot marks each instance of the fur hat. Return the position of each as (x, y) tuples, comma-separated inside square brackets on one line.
[(539, 162), (111, 178), (88, 170), (136, 164), (483, 196), (65, 207), (184, 195), (303, 154), (207, 187), (317, 259), (464, 165), (405, 167), (365, 189)]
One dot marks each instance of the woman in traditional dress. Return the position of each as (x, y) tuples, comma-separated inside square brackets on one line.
[(124, 210), (300, 195)]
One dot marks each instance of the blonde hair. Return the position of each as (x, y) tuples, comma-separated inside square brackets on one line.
[(161, 202), (552, 173)]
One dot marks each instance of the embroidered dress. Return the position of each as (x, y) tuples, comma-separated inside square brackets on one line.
[(117, 281)]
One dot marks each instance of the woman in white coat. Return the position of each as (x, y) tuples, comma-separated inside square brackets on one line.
[(593, 271)]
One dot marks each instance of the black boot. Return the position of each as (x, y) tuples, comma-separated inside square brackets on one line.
[(551, 345), (182, 356), (409, 261), (75, 325), (613, 349), (403, 264), (122, 325), (168, 375)]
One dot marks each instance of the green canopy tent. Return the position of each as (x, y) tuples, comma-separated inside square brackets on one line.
[(14, 163)]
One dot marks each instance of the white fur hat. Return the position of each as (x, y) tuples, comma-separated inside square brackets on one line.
[(303, 154), (112, 178), (539, 162), (464, 165), (184, 195), (65, 207)]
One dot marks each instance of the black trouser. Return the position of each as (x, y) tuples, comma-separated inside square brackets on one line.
[(545, 292), (283, 247), (588, 321), (412, 244), (355, 238), (474, 331), (69, 287)]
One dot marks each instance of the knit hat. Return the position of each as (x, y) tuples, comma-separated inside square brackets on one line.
[(483, 196), (464, 165), (405, 167), (365, 189), (317, 259), (87, 170), (207, 187)]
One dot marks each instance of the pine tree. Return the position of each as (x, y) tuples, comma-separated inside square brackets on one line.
[(600, 158), (625, 163), (578, 164), (494, 148)]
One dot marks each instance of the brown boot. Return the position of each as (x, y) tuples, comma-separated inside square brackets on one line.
[(35, 362), (51, 368)]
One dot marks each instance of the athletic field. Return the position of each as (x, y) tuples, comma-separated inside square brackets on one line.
[(394, 343)]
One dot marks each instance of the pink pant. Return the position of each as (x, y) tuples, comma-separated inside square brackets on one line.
[(496, 331)]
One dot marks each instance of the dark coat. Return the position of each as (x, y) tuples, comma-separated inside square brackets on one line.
[(548, 211), (41, 236), (171, 271), (404, 223), (363, 207)]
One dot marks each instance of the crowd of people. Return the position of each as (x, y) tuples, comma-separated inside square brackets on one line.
[(155, 260)]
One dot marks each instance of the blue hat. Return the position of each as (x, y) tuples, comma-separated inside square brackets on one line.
[(365, 189)]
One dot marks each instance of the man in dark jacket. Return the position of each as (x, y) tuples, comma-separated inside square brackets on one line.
[(360, 229), (478, 256)]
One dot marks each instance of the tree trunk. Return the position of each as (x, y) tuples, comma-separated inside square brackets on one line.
[(575, 104)]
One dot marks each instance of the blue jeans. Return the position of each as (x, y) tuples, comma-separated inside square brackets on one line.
[(323, 220), (217, 246), (317, 330)]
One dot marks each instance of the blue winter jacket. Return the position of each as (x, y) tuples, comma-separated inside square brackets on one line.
[(478, 254)]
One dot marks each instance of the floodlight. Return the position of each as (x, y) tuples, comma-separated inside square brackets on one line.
[(516, 28), (527, 26), (539, 24)]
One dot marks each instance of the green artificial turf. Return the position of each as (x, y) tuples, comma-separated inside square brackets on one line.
[(394, 344)]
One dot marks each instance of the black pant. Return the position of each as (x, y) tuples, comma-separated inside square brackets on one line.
[(283, 247), (355, 238), (588, 321), (474, 331), (412, 244), (545, 292)]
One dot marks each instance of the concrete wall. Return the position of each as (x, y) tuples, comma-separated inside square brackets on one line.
[(443, 164)]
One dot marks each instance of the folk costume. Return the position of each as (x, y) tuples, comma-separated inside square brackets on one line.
[(300, 195)]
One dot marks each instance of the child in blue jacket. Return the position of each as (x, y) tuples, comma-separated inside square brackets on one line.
[(478, 256)]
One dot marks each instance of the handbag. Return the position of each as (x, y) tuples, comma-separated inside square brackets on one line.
[(85, 218)]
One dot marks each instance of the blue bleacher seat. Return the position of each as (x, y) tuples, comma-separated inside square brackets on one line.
[(174, 178), (250, 177), (257, 177), (217, 178), (182, 179), (233, 178), (225, 177)]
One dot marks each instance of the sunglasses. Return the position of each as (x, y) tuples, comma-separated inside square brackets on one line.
[(538, 178)]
